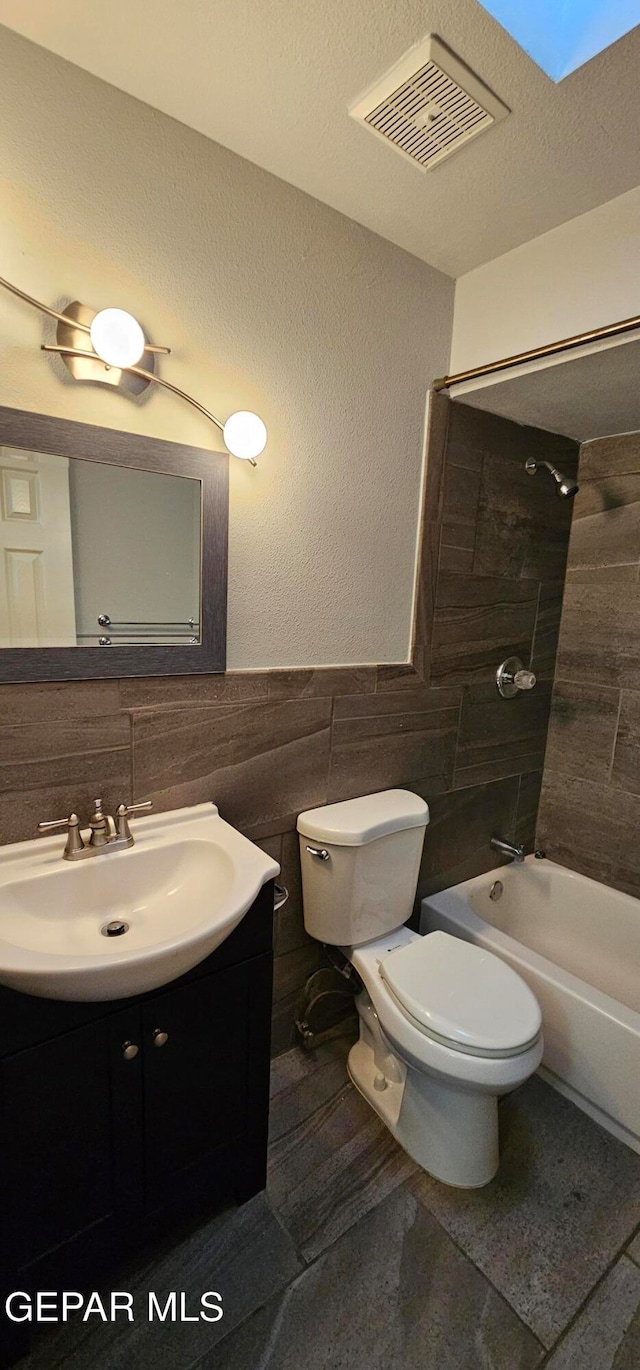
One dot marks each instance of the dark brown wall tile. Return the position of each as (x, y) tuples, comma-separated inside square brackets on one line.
[(480, 620), (591, 828), (600, 635), (484, 432), (48, 769), (523, 528), (155, 691), (260, 763), (321, 682), (457, 544), (461, 825), (607, 493), (626, 758), (58, 700), (547, 629), (461, 495), (610, 456), (527, 811), (500, 737), (608, 539), (582, 729), (397, 676), (392, 741)]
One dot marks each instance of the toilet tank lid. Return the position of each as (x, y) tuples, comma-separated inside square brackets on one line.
[(356, 821)]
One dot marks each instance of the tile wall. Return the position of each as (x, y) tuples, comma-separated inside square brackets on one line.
[(266, 744), (590, 808)]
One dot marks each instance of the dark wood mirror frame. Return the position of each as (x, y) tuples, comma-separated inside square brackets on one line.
[(62, 437)]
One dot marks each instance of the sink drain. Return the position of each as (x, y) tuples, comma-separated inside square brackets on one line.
[(115, 929)]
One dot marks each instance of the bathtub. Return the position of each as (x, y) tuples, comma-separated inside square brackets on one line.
[(577, 944)]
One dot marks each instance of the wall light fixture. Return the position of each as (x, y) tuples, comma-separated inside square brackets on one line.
[(108, 345)]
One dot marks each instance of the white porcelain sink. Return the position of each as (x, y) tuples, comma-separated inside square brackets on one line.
[(182, 888)]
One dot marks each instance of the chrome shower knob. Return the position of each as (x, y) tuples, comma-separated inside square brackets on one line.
[(512, 677)]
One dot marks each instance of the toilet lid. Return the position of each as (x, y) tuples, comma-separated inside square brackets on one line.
[(463, 995)]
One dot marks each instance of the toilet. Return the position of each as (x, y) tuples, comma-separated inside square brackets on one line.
[(445, 1026)]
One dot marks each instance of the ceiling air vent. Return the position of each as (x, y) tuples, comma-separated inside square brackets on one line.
[(428, 105)]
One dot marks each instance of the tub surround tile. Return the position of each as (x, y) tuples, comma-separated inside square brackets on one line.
[(478, 621), (591, 828), (461, 493), (600, 635), (633, 1249), (457, 543), (582, 729), (565, 1199), (606, 1335), (394, 1291), (498, 737), (608, 493), (609, 538), (625, 772), (462, 822), (605, 457), (547, 629), (521, 530), (527, 810)]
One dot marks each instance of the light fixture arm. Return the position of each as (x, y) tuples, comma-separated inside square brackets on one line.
[(147, 376), (65, 318)]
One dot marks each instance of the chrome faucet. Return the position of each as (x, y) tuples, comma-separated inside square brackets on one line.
[(107, 834), (507, 849)]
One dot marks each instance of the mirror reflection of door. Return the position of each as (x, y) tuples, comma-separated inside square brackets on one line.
[(37, 606)]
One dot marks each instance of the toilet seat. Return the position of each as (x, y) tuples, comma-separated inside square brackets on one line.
[(462, 996)]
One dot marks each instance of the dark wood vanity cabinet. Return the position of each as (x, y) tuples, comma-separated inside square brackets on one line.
[(117, 1119)]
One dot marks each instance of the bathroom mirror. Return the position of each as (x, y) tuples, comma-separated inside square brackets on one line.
[(113, 553)]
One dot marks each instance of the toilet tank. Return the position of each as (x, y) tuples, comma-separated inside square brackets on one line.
[(365, 885)]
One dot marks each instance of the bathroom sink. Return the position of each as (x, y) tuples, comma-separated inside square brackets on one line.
[(169, 901)]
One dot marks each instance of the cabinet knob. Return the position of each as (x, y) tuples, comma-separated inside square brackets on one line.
[(129, 1051), (159, 1037)]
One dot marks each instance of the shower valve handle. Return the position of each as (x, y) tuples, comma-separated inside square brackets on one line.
[(512, 677)]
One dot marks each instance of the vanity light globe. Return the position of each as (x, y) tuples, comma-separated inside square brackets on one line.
[(245, 435), (117, 337)]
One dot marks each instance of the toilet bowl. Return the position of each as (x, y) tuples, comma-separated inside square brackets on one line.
[(445, 1027)]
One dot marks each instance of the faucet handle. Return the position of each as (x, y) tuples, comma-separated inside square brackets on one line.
[(52, 823), (122, 814), (75, 843)]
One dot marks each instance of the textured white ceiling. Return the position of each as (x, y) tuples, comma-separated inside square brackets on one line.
[(273, 80)]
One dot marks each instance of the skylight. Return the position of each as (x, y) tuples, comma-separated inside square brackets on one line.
[(561, 35)]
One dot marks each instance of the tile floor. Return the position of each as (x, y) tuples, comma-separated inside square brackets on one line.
[(357, 1259)]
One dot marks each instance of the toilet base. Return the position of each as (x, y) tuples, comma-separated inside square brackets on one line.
[(449, 1132)]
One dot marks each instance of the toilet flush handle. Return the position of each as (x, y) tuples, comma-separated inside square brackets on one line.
[(320, 852)]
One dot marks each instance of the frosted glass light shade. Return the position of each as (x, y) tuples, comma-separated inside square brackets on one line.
[(117, 337), (245, 434)]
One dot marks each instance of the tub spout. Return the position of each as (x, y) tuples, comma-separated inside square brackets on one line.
[(507, 849)]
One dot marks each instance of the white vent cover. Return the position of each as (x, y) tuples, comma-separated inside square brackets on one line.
[(428, 105)]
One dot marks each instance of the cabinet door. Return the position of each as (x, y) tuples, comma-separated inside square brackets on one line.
[(195, 1068), (56, 1143)]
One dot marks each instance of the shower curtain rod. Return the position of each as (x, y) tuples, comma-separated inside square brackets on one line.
[(547, 350)]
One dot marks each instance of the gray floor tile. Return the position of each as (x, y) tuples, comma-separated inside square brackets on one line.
[(634, 1249), (566, 1197), (606, 1336), (244, 1254), (394, 1292), (331, 1159)]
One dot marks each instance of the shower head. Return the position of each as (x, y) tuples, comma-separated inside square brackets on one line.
[(565, 487)]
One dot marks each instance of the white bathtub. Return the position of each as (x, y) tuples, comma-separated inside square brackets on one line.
[(577, 944)]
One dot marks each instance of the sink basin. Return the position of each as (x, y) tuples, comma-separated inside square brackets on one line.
[(183, 887)]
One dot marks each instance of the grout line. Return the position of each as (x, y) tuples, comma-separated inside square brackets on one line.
[(579, 1311), (615, 739)]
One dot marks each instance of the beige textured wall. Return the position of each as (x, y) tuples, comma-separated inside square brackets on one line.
[(270, 300)]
